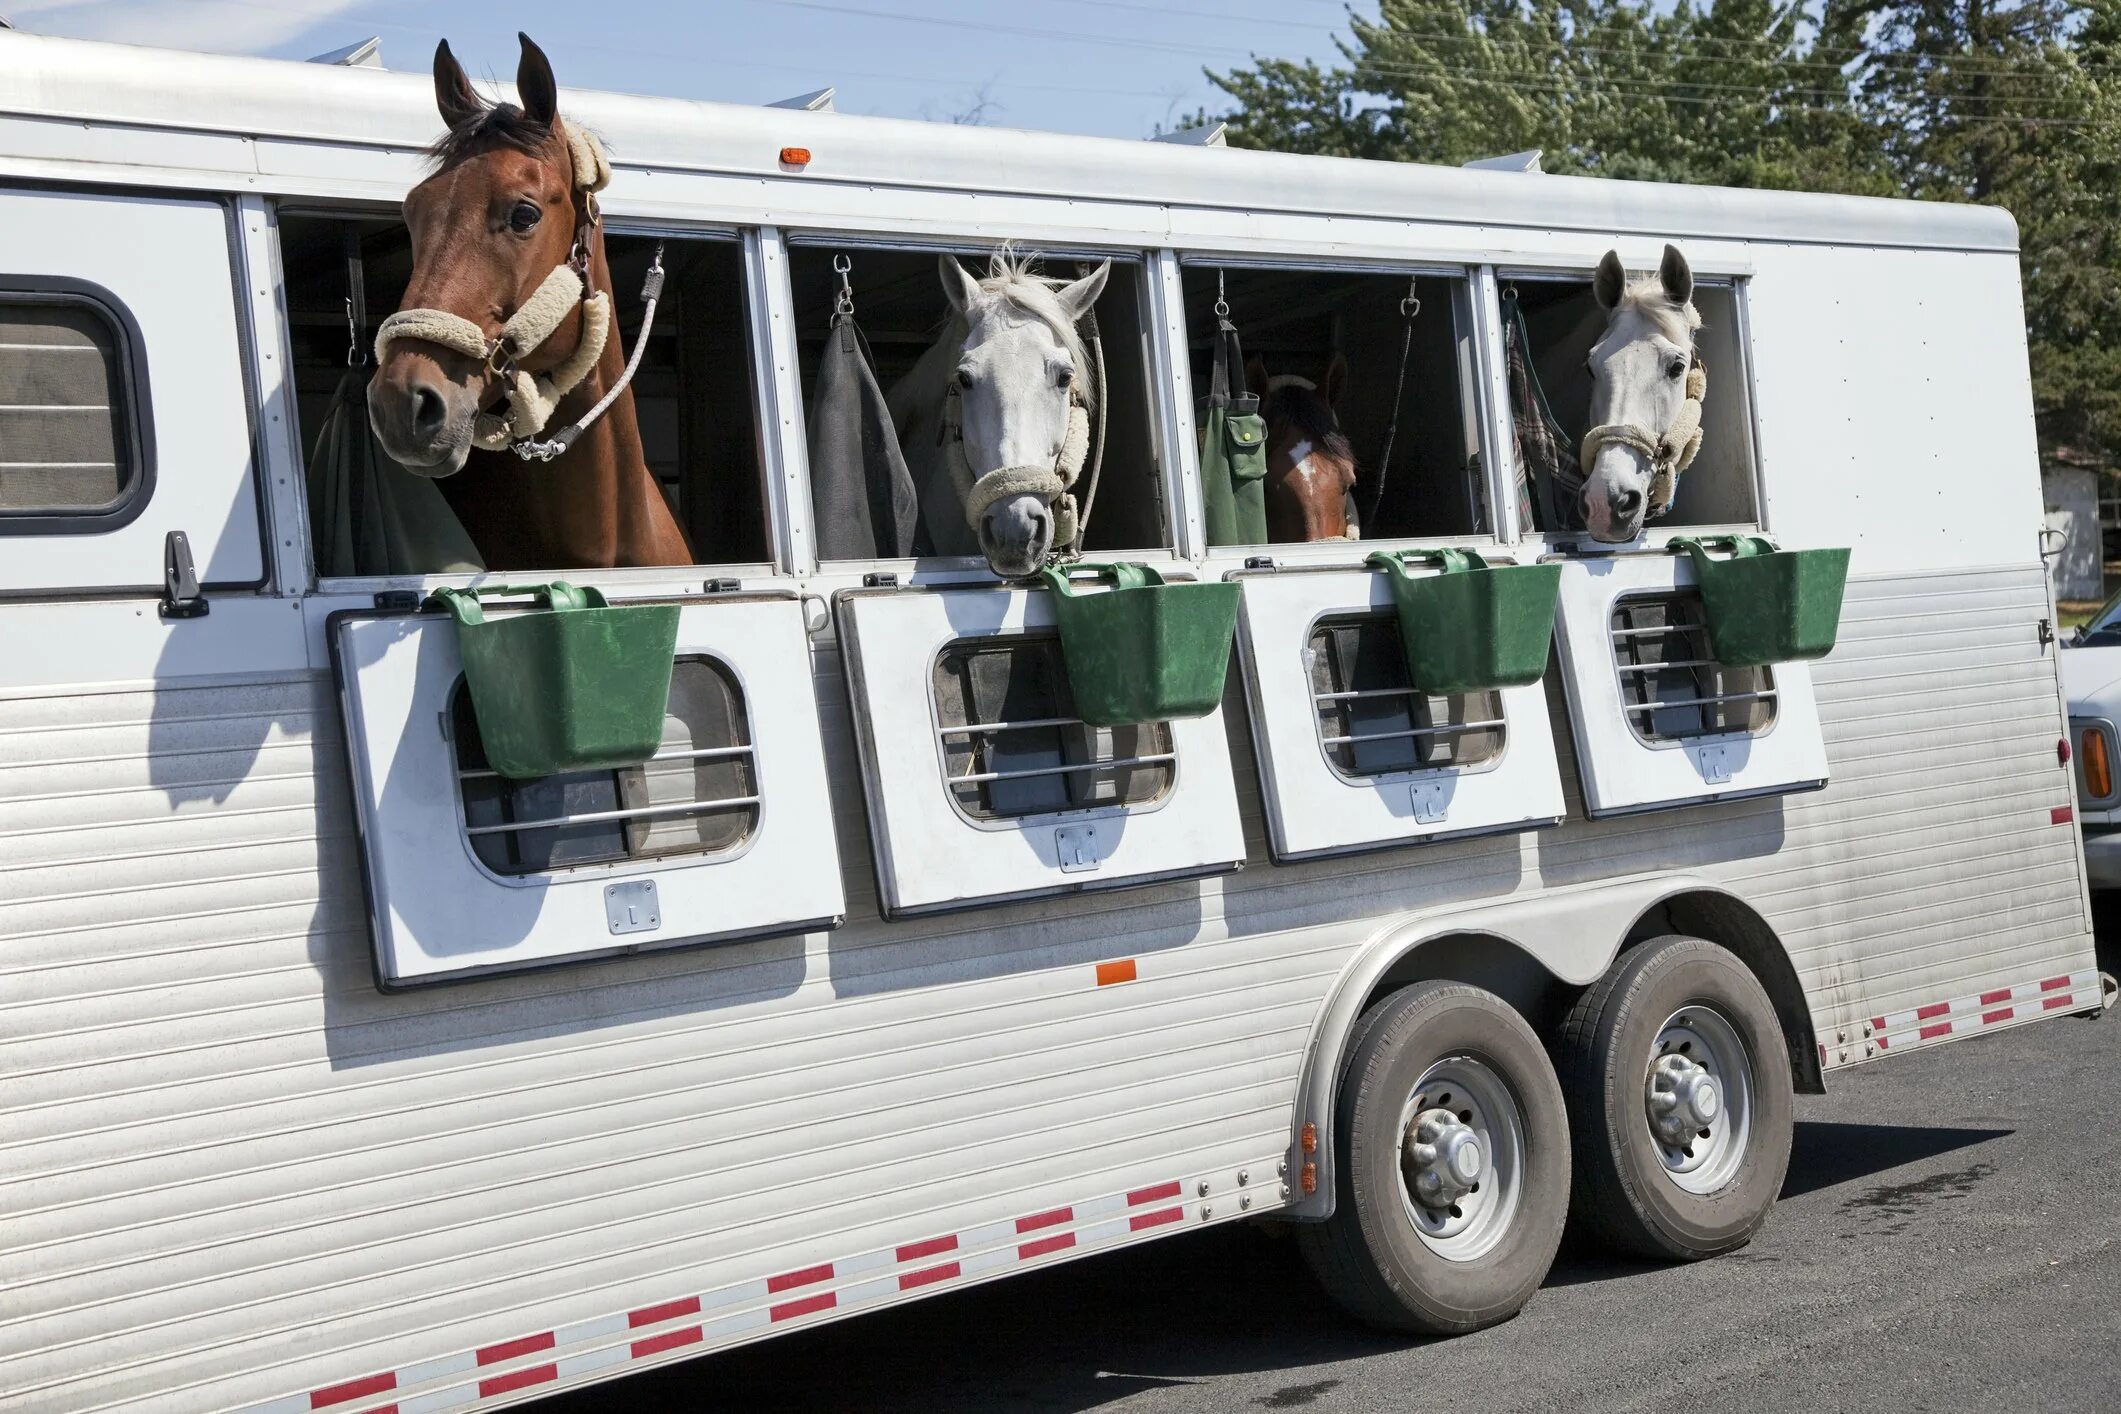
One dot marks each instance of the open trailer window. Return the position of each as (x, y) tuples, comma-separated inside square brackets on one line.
[(692, 396), (901, 461), (1550, 325), (1364, 382), (982, 782), (1354, 753)]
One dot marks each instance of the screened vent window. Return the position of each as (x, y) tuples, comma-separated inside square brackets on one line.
[(1012, 745), (66, 446), (698, 795), (1670, 687), (1373, 722)]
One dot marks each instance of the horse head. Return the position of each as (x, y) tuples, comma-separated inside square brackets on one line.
[(505, 215), (1645, 396), (1022, 394), (1310, 466)]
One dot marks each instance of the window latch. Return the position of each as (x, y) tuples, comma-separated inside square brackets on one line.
[(2047, 632), (181, 598)]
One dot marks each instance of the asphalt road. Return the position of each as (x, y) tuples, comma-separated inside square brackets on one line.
[(1949, 1237)]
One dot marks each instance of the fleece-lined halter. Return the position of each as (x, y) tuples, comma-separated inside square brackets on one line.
[(532, 398), (1670, 454), (1054, 484)]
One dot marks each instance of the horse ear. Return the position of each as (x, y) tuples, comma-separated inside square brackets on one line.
[(535, 84), (1256, 375), (1335, 380), (958, 285), (1677, 276), (1611, 281), (454, 95), (1078, 297)]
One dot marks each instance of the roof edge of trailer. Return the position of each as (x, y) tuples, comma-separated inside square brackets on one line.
[(126, 85)]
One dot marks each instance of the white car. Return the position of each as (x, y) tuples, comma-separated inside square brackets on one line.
[(2091, 677)]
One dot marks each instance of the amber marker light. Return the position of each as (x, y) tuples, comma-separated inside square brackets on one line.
[(795, 156), (2098, 770)]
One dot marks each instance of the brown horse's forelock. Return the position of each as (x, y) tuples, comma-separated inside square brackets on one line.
[(1313, 418), (503, 125)]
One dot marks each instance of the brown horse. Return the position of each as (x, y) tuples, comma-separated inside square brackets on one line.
[(1310, 466), (503, 210)]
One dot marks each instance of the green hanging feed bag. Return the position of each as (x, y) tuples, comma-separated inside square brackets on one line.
[(574, 685), (1144, 650), (1474, 627), (1765, 605)]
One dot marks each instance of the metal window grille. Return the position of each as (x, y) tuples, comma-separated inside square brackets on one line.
[(697, 795), (1013, 746), (1671, 686), (64, 442), (1372, 721)]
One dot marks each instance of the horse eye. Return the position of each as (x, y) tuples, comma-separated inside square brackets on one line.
[(523, 217), (1675, 369), (1063, 378), (964, 378)]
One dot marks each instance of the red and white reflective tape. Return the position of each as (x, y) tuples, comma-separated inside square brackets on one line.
[(725, 1316), (1905, 1030)]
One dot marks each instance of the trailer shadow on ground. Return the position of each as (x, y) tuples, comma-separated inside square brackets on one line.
[(1181, 1311)]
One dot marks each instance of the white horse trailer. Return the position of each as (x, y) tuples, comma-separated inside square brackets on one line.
[(870, 1022)]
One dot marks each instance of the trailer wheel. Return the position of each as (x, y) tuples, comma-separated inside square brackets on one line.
[(1451, 1150), (1678, 1086)]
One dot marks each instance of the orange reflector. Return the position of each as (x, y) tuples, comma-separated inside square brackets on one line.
[(1310, 1178), (2098, 770), (795, 156), (1309, 1138), (1110, 972)]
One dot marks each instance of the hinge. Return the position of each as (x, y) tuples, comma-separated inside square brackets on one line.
[(2047, 632), (398, 601), (880, 579), (181, 598)]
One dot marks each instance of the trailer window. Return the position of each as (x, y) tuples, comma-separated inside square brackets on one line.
[(1324, 348), (1562, 321), (698, 795), (72, 439), (1671, 687), (865, 442), (1012, 745), (692, 395), (1373, 722)]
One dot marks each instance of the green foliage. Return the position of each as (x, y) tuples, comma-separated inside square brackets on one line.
[(2014, 102)]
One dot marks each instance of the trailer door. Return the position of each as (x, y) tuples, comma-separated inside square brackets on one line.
[(123, 419)]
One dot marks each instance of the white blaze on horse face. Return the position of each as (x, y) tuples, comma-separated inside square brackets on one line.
[(1631, 385)]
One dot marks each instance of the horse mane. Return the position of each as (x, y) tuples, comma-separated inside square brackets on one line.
[(1674, 320), (499, 125), (1015, 280), (1297, 401)]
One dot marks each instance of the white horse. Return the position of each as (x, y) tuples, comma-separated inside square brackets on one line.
[(994, 417), (1645, 396)]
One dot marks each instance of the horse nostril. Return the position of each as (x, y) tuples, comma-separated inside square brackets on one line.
[(1626, 503), (428, 413)]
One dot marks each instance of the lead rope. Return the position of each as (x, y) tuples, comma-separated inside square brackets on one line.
[(1408, 309), (530, 449)]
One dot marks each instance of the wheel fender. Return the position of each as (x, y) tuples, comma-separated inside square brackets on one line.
[(1574, 933)]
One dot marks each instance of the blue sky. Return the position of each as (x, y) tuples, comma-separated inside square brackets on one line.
[(1117, 68)]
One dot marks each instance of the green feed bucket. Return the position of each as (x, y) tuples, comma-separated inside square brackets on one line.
[(1474, 627), (575, 686), (1765, 605), (1144, 651)]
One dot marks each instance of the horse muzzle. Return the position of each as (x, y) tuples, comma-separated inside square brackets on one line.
[(1016, 535), (421, 416)]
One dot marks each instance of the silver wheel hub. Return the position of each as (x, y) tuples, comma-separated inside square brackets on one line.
[(1462, 1154), (1442, 1159), (1684, 1099), (1698, 1098)]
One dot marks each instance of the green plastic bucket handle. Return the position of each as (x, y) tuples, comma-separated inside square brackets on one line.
[(1742, 547), (559, 596), (1122, 575), (1454, 561)]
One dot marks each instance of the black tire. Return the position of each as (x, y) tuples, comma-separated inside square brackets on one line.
[(1368, 1255), (1624, 1195)]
